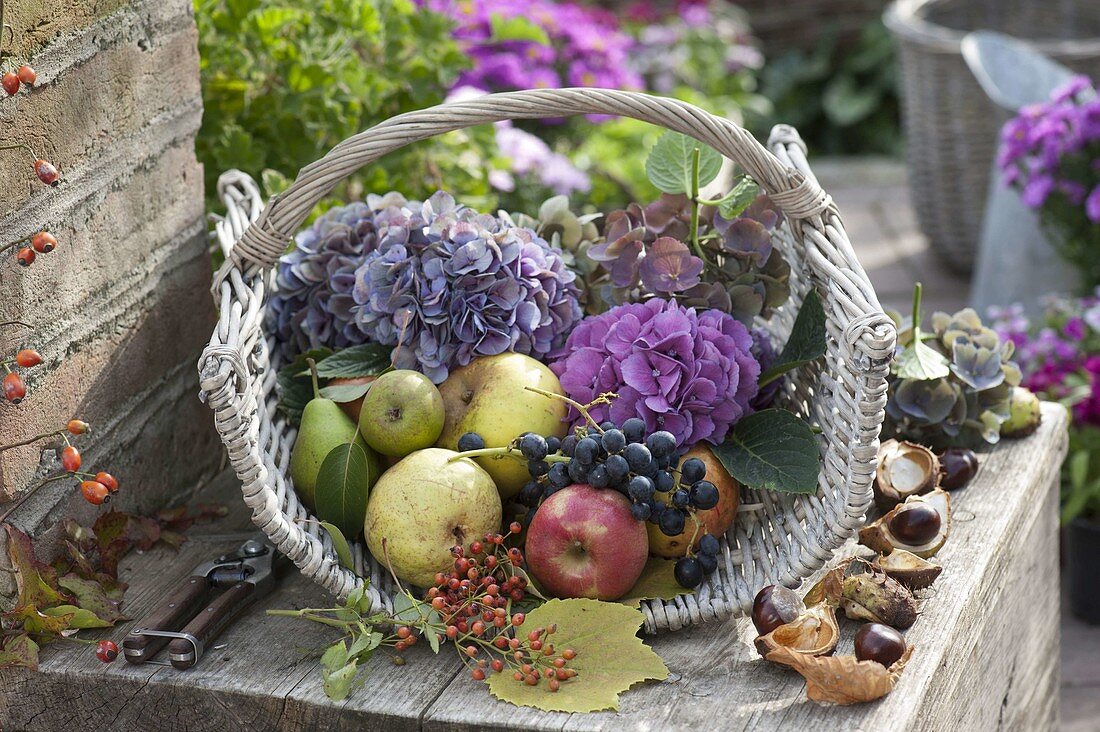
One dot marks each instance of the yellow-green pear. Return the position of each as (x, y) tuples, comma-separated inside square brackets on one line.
[(423, 506), (489, 396), (323, 427)]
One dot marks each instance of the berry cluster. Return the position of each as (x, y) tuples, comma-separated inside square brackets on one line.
[(15, 389), (475, 600), (14, 80), (97, 488), (41, 243), (644, 468)]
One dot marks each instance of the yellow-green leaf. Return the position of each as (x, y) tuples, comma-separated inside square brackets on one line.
[(658, 582), (610, 657), (78, 617), (340, 544)]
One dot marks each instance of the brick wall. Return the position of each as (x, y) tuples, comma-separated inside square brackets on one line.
[(122, 308)]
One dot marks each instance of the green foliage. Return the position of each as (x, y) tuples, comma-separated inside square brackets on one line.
[(671, 165), (774, 450), (283, 82), (1081, 474), (842, 100), (807, 341), (342, 487)]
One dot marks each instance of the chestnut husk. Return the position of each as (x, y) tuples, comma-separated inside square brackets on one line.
[(869, 594), (878, 537), (904, 469), (815, 632), (842, 679), (908, 569)]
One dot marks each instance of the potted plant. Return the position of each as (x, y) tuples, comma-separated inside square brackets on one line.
[(1060, 359)]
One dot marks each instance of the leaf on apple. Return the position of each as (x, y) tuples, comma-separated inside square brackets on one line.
[(774, 450), (658, 582), (342, 488), (344, 393), (610, 657)]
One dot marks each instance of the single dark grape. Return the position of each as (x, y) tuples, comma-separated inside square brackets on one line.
[(550, 489), (637, 456), (664, 481), (559, 475), (608, 425), (663, 463), (692, 471), (634, 429), (708, 544), (613, 441), (640, 488), (527, 517), (553, 444), (662, 444), (673, 461), (688, 572), (617, 467), (656, 509), (587, 451), (533, 446), (650, 470), (568, 444), (598, 477), (471, 441), (538, 468), (704, 495), (578, 471), (640, 511), (530, 494), (680, 498), (708, 562), (594, 431), (672, 521)]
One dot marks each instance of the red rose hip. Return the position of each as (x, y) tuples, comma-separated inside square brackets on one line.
[(25, 257), (46, 172), (14, 388), (106, 651), (28, 357), (11, 83), (70, 459), (94, 492), (26, 75), (44, 242)]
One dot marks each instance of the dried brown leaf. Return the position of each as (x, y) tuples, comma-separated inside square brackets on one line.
[(842, 679)]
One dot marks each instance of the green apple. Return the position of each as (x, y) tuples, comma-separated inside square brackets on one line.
[(489, 396), (401, 413), (423, 506)]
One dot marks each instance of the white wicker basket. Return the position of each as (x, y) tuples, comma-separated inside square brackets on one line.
[(775, 539)]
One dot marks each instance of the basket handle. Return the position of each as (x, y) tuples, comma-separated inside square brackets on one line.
[(266, 239)]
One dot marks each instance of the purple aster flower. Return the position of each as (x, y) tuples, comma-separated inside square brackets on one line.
[(691, 373)]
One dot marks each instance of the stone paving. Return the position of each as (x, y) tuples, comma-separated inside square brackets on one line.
[(873, 198)]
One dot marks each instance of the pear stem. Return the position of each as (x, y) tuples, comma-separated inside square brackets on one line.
[(313, 377)]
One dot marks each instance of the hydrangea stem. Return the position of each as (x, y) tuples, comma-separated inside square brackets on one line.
[(695, 154)]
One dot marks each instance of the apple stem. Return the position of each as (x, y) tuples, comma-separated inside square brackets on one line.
[(313, 377)]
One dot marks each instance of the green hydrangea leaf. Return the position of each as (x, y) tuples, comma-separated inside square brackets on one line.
[(342, 486), (807, 341), (610, 657), (670, 161), (921, 363), (369, 359), (294, 388), (743, 193), (658, 582), (774, 450)]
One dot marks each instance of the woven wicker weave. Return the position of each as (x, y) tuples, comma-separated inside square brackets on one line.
[(776, 538), (951, 127)]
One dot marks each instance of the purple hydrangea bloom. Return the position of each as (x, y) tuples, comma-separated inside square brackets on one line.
[(690, 373), (445, 284)]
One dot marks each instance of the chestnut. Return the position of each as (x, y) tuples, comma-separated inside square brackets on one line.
[(957, 466), (881, 643), (775, 605), (915, 523)]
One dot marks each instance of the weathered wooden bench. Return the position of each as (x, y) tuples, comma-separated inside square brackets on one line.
[(986, 647)]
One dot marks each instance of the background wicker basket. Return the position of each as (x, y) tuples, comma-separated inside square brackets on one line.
[(776, 538), (951, 127)]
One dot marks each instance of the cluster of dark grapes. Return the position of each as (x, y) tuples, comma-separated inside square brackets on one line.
[(645, 468)]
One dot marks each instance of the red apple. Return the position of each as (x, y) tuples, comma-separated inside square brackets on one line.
[(583, 542)]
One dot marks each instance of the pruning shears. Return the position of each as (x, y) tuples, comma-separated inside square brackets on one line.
[(203, 606)]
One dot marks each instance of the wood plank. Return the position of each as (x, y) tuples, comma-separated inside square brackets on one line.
[(986, 647)]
